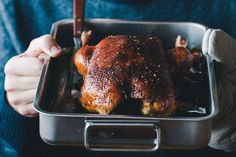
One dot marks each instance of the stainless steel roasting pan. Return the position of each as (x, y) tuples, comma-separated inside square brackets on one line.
[(60, 124)]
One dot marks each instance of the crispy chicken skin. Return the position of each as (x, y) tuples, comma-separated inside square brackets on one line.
[(125, 66)]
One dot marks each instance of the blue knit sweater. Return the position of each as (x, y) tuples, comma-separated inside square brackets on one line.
[(23, 20)]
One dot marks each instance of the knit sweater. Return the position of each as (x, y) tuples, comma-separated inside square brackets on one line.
[(23, 20)]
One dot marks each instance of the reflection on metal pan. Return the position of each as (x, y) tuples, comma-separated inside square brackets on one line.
[(70, 128)]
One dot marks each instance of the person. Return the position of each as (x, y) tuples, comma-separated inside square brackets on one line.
[(23, 22)]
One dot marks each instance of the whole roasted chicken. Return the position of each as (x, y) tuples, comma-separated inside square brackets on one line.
[(121, 67)]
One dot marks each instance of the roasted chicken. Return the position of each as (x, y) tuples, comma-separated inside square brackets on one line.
[(121, 67)]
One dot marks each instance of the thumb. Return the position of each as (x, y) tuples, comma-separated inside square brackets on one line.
[(219, 46), (44, 44)]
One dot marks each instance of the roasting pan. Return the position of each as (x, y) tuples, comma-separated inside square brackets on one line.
[(60, 124)]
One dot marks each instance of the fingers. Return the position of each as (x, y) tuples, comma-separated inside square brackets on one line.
[(44, 44), (26, 110), (20, 83), (42, 57), (21, 80), (23, 66), (21, 97), (22, 102)]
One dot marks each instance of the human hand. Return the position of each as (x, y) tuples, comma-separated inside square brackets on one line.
[(222, 48), (22, 74)]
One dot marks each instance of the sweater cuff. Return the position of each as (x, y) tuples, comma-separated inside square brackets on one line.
[(13, 126)]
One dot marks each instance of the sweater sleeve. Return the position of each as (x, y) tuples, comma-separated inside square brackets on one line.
[(13, 126)]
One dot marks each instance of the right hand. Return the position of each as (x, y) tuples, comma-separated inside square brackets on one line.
[(22, 73)]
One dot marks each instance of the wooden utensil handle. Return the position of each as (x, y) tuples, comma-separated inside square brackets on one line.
[(78, 17)]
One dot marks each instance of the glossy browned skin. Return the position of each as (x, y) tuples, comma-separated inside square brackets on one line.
[(125, 66)]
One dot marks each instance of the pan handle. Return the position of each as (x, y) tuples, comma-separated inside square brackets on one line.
[(106, 136)]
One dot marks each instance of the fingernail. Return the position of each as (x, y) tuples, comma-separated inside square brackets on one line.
[(55, 50)]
